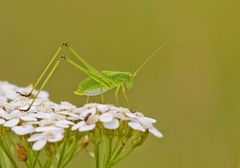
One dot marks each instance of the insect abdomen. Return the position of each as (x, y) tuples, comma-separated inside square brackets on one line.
[(90, 87)]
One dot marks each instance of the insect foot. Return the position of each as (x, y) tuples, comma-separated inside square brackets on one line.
[(65, 44), (24, 95), (63, 57), (25, 110)]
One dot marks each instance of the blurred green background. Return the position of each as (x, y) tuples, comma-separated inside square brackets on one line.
[(192, 88)]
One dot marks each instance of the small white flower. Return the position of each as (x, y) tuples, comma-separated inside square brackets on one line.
[(89, 122), (3, 100), (18, 102), (53, 119), (47, 106), (141, 123), (88, 112), (63, 123), (24, 129), (17, 114), (41, 115), (15, 117), (106, 117), (2, 113), (147, 123), (46, 128), (8, 90), (70, 115), (42, 94), (65, 106), (11, 123), (27, 90), (109, 121), (2, 121), (90, 106), (47, 134), (114, 124), (83, 126), (136, 126), (102, 108)]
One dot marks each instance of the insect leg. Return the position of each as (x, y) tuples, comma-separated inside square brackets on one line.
[(125, 95), (116, 93), (43, 84), (102, 98), (87, 100), (92, 75), (89, 67), (43, 73)]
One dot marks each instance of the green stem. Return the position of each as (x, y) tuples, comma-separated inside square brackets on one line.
[(128, 152), (72, 152), (4, 162), (28, 163), (97, 159), (48, 162), (109, 152), (118, 151), (62, 154), (37, 160), (116, 146), (8, 153), (137, 140), (72, 155)]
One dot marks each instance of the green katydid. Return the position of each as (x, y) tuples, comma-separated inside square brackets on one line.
[(97, 82)]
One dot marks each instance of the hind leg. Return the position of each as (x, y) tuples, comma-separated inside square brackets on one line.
[(43, 85), (102, 98), (43, 73), (116, 94), (125, 95), (87, 99)]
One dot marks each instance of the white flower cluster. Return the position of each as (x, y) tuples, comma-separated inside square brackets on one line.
[(47, 121)]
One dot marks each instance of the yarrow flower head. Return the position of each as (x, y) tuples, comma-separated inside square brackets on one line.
[(47, 123)]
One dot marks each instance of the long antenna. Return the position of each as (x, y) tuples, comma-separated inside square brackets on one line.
[(152, 55)]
